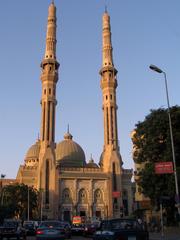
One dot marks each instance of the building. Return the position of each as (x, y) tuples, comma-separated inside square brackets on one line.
[(69, 185)]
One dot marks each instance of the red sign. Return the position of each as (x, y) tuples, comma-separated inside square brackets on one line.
[(163, 167), (116, 194), (76, 220)]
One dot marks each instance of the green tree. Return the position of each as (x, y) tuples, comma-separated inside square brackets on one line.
[(14, 201), (152, 144)]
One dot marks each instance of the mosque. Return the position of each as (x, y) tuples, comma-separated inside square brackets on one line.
[(69, 185)]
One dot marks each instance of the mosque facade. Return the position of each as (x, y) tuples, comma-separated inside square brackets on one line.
[(70, 186)]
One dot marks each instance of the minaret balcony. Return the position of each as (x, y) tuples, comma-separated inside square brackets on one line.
[(108, 69), (50, 61)]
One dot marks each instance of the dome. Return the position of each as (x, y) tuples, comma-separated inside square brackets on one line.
[(32, 154), (91, 164), (69, 153)]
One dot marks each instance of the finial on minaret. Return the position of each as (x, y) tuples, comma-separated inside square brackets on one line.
[(52, 2), (105, 8)]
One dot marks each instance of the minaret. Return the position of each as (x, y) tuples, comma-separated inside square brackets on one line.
[(110, 159), (49, 78), (47, 173)]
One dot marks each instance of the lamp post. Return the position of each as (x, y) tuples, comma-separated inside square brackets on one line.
[(158, 70), (42, 201), (28, 204)]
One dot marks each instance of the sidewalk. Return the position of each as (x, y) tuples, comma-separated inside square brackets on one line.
[(170, 233)]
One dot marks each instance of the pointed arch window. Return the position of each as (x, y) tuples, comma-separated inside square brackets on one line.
[(98, 198), (82, 196), (66, 196)]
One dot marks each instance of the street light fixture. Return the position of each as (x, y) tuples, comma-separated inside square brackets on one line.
[(158, 70)]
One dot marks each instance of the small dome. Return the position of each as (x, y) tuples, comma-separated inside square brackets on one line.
[(91, 164), (32, 154), (69, 153)]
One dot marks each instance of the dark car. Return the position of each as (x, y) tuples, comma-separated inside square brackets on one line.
[(124, 229), (30, 228), (50, 230), (67, 228), (90, 229), (12, 229), (77, 229)]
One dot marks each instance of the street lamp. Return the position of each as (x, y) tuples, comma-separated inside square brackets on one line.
[(158, 70)]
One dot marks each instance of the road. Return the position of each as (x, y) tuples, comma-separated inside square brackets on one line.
[(73, 238), (154, 236)]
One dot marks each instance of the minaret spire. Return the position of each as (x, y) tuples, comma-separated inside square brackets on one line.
[(49, 78), (50, 51)]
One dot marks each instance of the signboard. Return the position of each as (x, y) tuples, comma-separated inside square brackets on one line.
[(76, 220), (164, 167), (116, 194)]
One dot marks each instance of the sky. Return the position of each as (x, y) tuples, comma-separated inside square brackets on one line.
[(143, 33)]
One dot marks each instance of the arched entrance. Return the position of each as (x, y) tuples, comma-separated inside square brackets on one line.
[(67, 216)]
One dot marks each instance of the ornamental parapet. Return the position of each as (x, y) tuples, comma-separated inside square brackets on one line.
[(76, 169), (29, 167)]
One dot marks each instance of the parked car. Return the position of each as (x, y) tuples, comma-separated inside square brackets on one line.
[(12, 229), (77, 229), (50, 230), (124, 229), (30, 228), (90, 229), (67, 228)]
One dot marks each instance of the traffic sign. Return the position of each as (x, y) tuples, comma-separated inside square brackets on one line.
[(164, 167), (116, 194)]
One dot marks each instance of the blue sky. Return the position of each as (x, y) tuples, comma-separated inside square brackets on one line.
[(143, 33)]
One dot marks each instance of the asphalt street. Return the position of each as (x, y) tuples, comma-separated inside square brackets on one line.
[(73, 238), (173, 236)]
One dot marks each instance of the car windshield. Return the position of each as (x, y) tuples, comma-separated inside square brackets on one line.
[(119, 224), (10, 224), (50, 224)]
